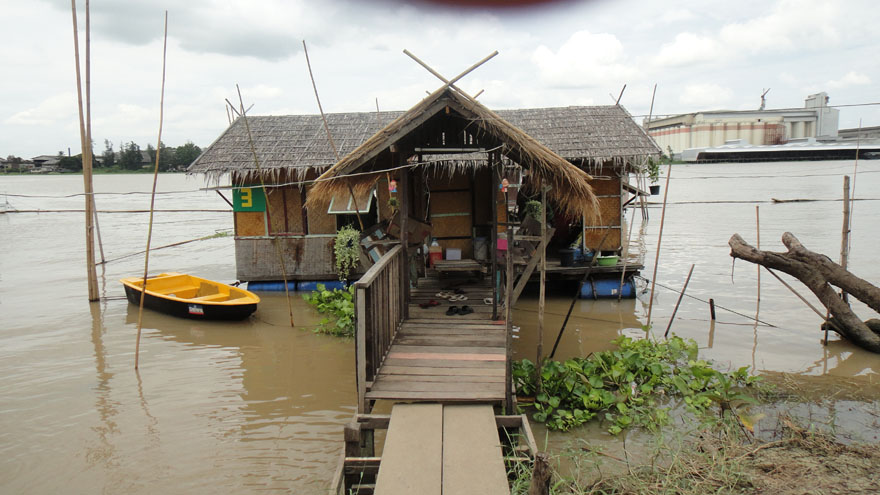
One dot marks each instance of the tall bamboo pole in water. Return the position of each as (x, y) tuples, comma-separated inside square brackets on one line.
[(659, 238), (87, 165), (137, 348)]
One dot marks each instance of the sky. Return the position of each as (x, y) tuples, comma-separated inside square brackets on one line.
[(707, 55)]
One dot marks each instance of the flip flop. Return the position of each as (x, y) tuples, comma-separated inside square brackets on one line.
[(444, 294), (466, 310), (458, 298), (453, 310), (487, 301), (429, 304)]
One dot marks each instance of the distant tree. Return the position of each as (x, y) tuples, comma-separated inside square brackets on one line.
[(108, 159), (185, 155), (70, 163), (130, 156), (166, 155), (151, 152)]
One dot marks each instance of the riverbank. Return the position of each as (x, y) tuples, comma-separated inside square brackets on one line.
[(805, 435)]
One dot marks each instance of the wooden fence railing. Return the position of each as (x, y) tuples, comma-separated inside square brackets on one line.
[(379, 310)]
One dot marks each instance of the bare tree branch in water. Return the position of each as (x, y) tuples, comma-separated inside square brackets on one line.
[(819, 273)]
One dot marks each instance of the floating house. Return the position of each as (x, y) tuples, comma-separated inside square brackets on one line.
[(444, 148)]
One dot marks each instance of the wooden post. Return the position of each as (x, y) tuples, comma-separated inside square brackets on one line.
[(404, 235), (542, 289), (541, 474), (360, 348), (659, 238), (493, 196), (508, 322), (712, 308)]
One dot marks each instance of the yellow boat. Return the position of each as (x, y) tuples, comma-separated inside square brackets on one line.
[(188, 296)]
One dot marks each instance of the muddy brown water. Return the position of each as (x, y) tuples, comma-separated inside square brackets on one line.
[(259, 406)]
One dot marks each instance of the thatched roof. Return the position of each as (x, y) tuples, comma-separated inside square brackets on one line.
[(297, 144), (448, 118)]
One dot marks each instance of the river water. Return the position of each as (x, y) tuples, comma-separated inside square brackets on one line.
[(259, 406)]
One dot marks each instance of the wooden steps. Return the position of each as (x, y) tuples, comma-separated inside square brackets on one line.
[(435, 449)]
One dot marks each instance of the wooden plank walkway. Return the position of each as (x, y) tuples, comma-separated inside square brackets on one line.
[(434, 449), (440, 357)]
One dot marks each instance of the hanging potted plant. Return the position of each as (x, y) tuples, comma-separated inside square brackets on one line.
[(347, 250), (653, 171)]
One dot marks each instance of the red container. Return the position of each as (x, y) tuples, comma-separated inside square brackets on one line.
[(434, 257)]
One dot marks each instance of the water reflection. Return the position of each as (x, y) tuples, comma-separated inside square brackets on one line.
[(104, 406)]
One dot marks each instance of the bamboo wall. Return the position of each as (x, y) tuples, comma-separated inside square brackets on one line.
[(608, 192)]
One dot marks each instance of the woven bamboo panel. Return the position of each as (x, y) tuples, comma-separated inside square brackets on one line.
[(249, 223), (277, 213), (294, 210), (450, 202), (604, 187), (594, 237), (319, 221), (452, 226), (609, 209)]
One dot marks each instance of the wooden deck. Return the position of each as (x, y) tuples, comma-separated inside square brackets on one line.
[(434, 449), (440, 357)]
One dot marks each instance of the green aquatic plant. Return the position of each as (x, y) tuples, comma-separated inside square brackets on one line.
[(628, 386), (339, 305)]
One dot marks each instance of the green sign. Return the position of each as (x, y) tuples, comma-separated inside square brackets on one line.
[(248, 199)]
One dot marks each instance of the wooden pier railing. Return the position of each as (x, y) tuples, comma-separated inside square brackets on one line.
[(379, 311)]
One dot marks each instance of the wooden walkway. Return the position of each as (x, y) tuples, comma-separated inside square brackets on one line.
[(432, 449), (440, 357)]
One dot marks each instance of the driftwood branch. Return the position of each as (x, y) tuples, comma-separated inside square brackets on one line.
[(818, 273)]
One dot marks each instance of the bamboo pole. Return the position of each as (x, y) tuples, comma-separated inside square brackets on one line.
[(626, 256), (659, 239), (542, 289), (357, 209), (844, 235), (87, 170), (89, 121), (152, 202), (263, 187), (680, 296)]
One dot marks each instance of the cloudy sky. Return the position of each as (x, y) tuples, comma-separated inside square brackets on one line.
[(702, 55)]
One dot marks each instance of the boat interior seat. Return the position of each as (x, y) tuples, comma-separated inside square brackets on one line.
[(212, 297), (182, 291)]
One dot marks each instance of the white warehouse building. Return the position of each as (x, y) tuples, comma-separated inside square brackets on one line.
[(776, 126)]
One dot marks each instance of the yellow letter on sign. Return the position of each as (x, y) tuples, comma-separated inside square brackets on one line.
[(247, 197)]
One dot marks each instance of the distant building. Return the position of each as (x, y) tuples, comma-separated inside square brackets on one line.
[(758, 127), (45, 163), (864, 133)]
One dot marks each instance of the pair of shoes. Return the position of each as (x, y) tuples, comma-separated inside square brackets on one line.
[(458, 298), (444, 294), (429, 304), (459, 291), (487, 301), (455, 310)]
